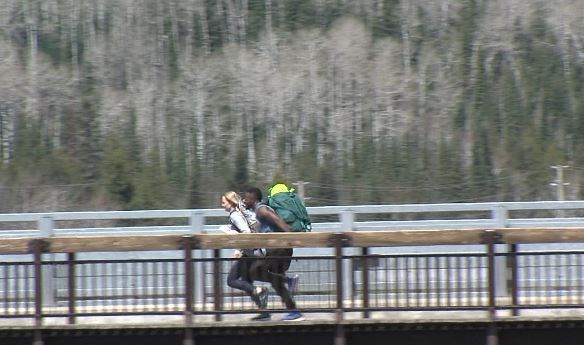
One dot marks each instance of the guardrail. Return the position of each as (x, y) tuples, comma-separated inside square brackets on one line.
[(328, 218)]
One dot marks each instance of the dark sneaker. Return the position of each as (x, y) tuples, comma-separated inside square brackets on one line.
[(293, 316), (263, 297), (262, 317), (292, 283)]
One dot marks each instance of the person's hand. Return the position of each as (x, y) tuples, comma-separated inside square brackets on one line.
[(237, 254)]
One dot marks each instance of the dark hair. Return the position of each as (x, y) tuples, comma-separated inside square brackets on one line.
[(255, 192)]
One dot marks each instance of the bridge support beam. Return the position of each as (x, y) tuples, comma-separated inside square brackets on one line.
[(340, 338), (492, 336), (189, 338)]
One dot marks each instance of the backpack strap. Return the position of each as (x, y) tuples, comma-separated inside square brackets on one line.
[(264, 226), (238, 225)]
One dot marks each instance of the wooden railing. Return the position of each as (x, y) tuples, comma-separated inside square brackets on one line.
[(431, 282), (414, 281), (298, 240)]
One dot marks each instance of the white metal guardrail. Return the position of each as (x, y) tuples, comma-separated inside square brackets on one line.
[(350, 218)]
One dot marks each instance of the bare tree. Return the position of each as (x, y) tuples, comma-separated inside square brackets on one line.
[(32, 30)]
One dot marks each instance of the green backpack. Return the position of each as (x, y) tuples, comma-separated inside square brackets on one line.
[(289, 207)]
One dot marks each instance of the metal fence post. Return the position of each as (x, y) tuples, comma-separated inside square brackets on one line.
[(46, 226), (347, 218), (340, 284), (339, 240), (507, 265), (187, 246), (217, 286), (491, 238), (197, 222), (37, 250), (71, 277), (37, 247), (197, 225), (500, 215), (365, 281)]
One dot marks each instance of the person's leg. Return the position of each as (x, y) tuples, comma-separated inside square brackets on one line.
[(238, 278), (256, 271), (292, 281), (278, 282), (278, 265), (234, 275), (279, 259)]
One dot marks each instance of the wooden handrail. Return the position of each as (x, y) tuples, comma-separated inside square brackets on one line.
[(297, 240), (542, 235)]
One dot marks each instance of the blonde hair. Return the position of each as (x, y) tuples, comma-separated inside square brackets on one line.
[(233, 198)]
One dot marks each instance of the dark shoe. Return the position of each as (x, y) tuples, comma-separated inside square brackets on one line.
[(264, 316), (292, 283), (293, 316), (263, 298)]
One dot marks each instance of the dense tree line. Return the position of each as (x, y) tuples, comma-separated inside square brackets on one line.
[(140, 104)]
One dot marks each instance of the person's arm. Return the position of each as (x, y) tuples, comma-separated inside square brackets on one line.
[(272, 217)]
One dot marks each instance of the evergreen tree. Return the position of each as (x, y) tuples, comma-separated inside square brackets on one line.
[(387, 23), (449, 174), (300, 14), (117, 170), (515, 118), (240, 177), (28, 146), (151, 186), (88, 135), (328, 193), (514, 98), (195, 197), (256, 18), (482, 182), (468, 26)]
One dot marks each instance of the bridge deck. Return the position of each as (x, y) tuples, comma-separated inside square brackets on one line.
[(559, 327)]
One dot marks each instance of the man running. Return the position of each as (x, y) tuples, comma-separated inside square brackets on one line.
[(273, 268)]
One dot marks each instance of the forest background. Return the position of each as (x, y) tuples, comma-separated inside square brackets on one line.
[(144, 104)]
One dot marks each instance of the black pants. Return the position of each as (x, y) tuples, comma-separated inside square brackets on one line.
[(272, 269), (238, 277)]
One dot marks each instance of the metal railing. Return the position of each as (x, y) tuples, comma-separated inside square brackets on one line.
[(326, 218), (348, 279)]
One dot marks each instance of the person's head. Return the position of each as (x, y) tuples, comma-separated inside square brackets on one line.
[(230, 201), (251, 197)]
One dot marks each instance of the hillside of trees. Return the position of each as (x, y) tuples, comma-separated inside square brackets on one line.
[(145, 104)]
